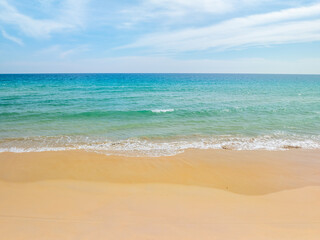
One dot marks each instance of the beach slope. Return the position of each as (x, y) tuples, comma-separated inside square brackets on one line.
[(199, 194)]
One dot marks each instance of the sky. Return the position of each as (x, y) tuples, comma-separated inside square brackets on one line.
[(160, 36)]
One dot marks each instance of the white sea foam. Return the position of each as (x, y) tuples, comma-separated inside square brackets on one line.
[(162, 110), (142, 147)]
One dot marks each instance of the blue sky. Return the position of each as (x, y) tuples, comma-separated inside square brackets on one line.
[(220, 36)]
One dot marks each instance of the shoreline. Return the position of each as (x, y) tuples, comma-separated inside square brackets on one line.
[(153, 147), (199, 194)]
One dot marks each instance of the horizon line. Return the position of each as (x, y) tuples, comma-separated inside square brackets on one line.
[(157, 73)]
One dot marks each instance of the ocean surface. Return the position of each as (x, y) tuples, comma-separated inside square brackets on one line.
[(158, 114)]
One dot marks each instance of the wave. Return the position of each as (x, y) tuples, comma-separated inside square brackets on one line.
[(158, 147), (80, 115), (162, 110)]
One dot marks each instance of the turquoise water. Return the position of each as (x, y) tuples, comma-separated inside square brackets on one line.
[(158, 114)]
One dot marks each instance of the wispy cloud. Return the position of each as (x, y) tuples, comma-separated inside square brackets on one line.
[(292, 25), (11, 38), (58, 51), (155, 8), (69, 17), (172, 10)]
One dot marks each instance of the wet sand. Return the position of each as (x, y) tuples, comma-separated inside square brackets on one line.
[(200, 194)]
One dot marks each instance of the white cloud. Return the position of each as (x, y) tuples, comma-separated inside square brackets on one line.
[(291, 25), (71, 16), (11, 38)]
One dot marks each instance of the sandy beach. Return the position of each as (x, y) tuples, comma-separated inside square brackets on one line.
[(159, 120), (199, 194)]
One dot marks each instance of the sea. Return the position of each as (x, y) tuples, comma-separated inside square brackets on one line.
[(158, 114)]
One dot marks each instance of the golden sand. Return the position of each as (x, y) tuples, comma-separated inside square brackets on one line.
[(200, 194)]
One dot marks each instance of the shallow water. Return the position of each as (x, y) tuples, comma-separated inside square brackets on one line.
[(158, 114)]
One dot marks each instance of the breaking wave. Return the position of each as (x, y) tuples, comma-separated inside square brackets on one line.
[(162, 110), (158, 147)]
